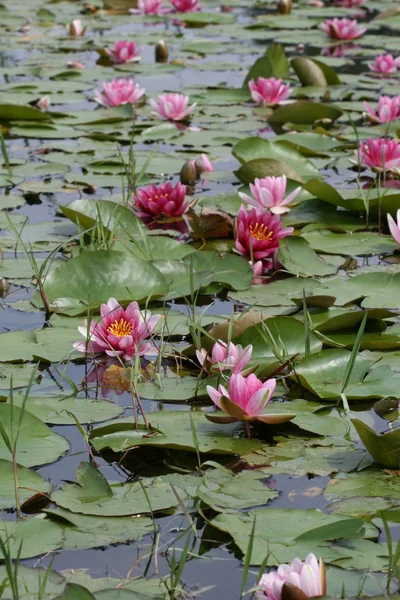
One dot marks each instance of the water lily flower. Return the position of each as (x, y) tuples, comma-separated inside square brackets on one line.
[(246, 400), (350, 3), (172, 107), (44, 103), (385, 64), (269, 91), (343, 29), (298, 580), (388, 110), (75, 28), (381, 154), (229, 357), (394, 226), (269, 194), (124, 52), (150, 7), (186, 5), (161, 200), (121, 332), (75, 64), (119, 91), (258, 233)]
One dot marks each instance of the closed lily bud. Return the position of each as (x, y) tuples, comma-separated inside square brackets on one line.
[(161, 52), (4, 287), (188, 174), (284, 7), (75, 28)]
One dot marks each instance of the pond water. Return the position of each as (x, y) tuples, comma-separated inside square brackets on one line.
[(191, 507)]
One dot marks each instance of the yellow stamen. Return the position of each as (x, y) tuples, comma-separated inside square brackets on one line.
[(120, 328), (260, 232)]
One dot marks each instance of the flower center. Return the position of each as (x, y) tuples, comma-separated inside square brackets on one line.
[(120, 328), (260, 232)]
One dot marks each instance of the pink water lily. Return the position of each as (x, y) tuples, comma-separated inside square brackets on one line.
[(385, 64), (124, 52), (350, 3), (161, 200), (150, 7), (246, 401), (297, 580), (343, 29), (388, 110), (120, 332), (172, 107), (269, 194), (381, 154), (225, 357), (119, 91), (258, 233), (75, 28), (394, 226), (269, 91), (186, 5)]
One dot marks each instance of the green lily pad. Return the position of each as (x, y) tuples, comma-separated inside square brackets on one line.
[(93, 277), (304, 112), (173, 430), (29, 483), (384, 448), (37, 443)]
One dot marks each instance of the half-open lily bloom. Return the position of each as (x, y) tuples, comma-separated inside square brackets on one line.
[(225, 357), (121, 332), (75, 28), (269, 194), (161, 200), (119, 91), (381, 154), (385, 64), (150, 7), (44, 103), (172, 107), (246, 401), (394, 226), (269, 91), (388, 110), (343, 29), (297, 580), (258, 233), (124, 52), (186, 5)]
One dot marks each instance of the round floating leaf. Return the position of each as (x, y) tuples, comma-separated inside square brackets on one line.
[(298, 258), (92, 495), (384, 448), (173, 430), (278, 532), (37, 535), (353, 244), (111, 216), (30, 581), (53, 408), (286, 333), (29, 483), (304, 112), (308, 71), (19, 112), (82, 531), (37, 443), (253, 149), (314, 72), (92, 278)]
